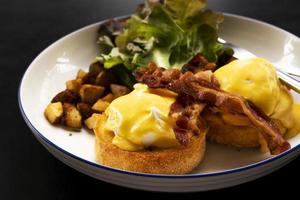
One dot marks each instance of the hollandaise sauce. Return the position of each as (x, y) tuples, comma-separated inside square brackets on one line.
[(256, 80), (292, 132), (141, 119)]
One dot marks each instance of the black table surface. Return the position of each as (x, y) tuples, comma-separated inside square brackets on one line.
[(27, 170)]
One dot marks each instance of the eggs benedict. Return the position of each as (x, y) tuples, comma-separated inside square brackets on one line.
[(203, 88), (136, 133), (256, 80)]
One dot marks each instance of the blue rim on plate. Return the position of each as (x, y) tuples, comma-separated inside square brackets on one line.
[(186, 176)]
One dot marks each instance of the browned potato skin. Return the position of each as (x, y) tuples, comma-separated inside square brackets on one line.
[(90, 93), (108, 98), (105, 78), (74, 85), (82, 97), (100, 106), (85, 110), (54, 112), (80, 74), (87, 79), (118, 90), (71, 116), (95, 69), (65, 96)]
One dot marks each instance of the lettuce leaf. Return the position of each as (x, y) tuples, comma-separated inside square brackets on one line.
[(182, 10), (169, 33)]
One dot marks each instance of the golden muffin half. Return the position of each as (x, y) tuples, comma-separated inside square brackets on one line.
[(136, 134)]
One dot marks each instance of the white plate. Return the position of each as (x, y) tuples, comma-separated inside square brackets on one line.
[(222, 166)]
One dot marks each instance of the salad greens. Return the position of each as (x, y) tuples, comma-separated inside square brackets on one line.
[(169, 33)]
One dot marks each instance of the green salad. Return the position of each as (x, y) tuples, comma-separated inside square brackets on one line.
[(168, 33)]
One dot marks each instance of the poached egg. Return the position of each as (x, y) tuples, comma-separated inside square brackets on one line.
[(141, 119)]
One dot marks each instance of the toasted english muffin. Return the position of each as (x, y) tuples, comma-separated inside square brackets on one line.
[(230, 133), (179, 160), (237, 136)]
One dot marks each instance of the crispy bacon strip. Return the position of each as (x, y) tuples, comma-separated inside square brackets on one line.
[(186, 112), (205, 89), (199, 63)]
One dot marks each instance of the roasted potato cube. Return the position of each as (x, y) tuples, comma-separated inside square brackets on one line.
[(65, 96), (108, 98), (74, 85), (80, 74), (71, 116), (88, 79), (105, 78), (118, 90), (93, 121), (90, 93), (95, 68), (100, 105), (85, 110), (54, 112)]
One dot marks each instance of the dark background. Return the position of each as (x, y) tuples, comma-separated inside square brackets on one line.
[(27, 170)]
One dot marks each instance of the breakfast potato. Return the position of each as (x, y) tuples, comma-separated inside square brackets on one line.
[(95, 68), (84, 96), (54, 112), (74, 85), (118, 90), (80, 74), (65, 96), (105, 78), (88, 79), (100, 105), (71, 117), (90, 93), (108, 98), (85, 110), (93, 121)]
